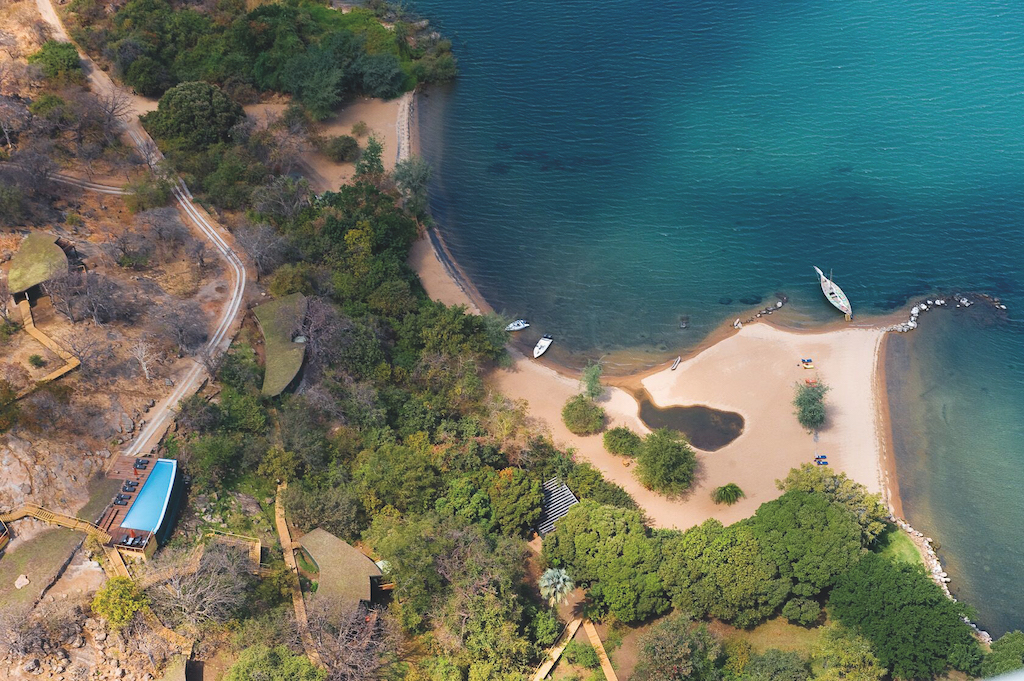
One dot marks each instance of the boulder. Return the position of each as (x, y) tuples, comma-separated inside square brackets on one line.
[(21, 582)]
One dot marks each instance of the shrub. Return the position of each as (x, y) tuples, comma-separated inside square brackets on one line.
[(727, 494), (622, 441), (590, 381), (582, 416), (544, 627), (59, 61), (341, 149), (810, 405), (582, 654), (802, 611), (674, 650), (666, 462), (118, 601), (360, 129), (146, 192), (12, 205), (1007, 655), (37, 361)]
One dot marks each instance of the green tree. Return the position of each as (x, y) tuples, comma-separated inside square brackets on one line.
[(1007, 655), (622, 441), (590, 381), (516, 501), (776, 665), (803, 611), (588, 483), (411, 176), (842, 654), (273, 664), (727, 494), (341, 149), (582, 416), (810, 538), (194, 116), (915, 631), (666, 462), (397, 476), (610, 549), (9, 407), (146, 192), (722, 572), (118, 601), (555, 586), (868, 508), (675, 649), (810, 405), (370, 163), (59, 61)]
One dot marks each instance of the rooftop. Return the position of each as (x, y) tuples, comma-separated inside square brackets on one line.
[(558, 499), (345, 571), (38, 259), (279, 320)]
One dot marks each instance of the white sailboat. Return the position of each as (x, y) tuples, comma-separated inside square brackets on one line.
[(835, 295), (542, 345)]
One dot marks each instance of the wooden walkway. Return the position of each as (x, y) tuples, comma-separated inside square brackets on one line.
[(55, 518), (301, 619), (570, 632), (70, 361), (602, 655)]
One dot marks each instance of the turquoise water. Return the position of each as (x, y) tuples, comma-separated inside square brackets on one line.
[(147, 512), (605, 170)]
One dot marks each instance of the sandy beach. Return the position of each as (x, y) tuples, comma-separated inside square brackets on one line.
[(752, 372)]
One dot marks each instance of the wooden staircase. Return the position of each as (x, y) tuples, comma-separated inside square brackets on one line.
[(55, 518)]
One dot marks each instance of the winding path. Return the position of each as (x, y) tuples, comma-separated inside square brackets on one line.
[(163, 413)]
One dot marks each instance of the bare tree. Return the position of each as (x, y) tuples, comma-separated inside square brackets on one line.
[(195, 592), (5, 299), (115, 105), (64, 289), (142, 351), (324, 328), (282, 198), (264, 245), (356, 644), (14, 117), (149, 152), (185, 322), (86, 350), (104, 299)]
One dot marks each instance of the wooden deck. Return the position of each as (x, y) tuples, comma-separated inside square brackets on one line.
[(123, 468)]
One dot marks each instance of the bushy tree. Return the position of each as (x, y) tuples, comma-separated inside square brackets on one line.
[(915, 631), (371, 163), (582, 416), (1007, 655), (803, 611), (515, 501), (810, 538), (59, 61), (842, 654), (810, 405), (777, 665), (610, 549), (590, 381), (722, 572), (411, 176), (675, 649), (868, 509), (622, 441), (273, 664), (666, 462), (118, 601), (193, 116), (397, 476), (588, 483), (341, 149)]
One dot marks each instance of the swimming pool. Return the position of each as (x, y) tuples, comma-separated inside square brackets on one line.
[(147, 513)]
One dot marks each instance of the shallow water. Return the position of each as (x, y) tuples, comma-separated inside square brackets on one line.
[(604, 173), (706, 428)]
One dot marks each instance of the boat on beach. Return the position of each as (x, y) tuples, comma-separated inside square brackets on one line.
[(675, 364), (542, 345), (835, 295), (517, 325)]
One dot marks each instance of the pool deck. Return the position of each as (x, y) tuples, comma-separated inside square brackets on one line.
[(123, 468)]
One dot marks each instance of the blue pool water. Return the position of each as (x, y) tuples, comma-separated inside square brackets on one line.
[(147, 513), (604, 170)]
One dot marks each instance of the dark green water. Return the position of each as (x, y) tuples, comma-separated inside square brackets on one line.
[(605, 169), (706, 428)]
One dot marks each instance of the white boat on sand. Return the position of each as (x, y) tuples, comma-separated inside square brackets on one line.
[(835, 295), (517, 325), (542, 345)]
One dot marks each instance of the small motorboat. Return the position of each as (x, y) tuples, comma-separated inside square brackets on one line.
[(675, 364), (517, 325), (542, 345)]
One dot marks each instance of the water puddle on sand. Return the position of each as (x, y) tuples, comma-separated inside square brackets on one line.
[(706, 428)]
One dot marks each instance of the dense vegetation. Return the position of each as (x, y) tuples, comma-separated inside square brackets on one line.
[(320, 55)]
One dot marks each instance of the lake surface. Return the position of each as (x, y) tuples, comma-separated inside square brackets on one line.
[(607, 170)]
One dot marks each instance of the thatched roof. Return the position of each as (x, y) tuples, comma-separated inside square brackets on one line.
[(38, 259), (345, 571), (279, 320)]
